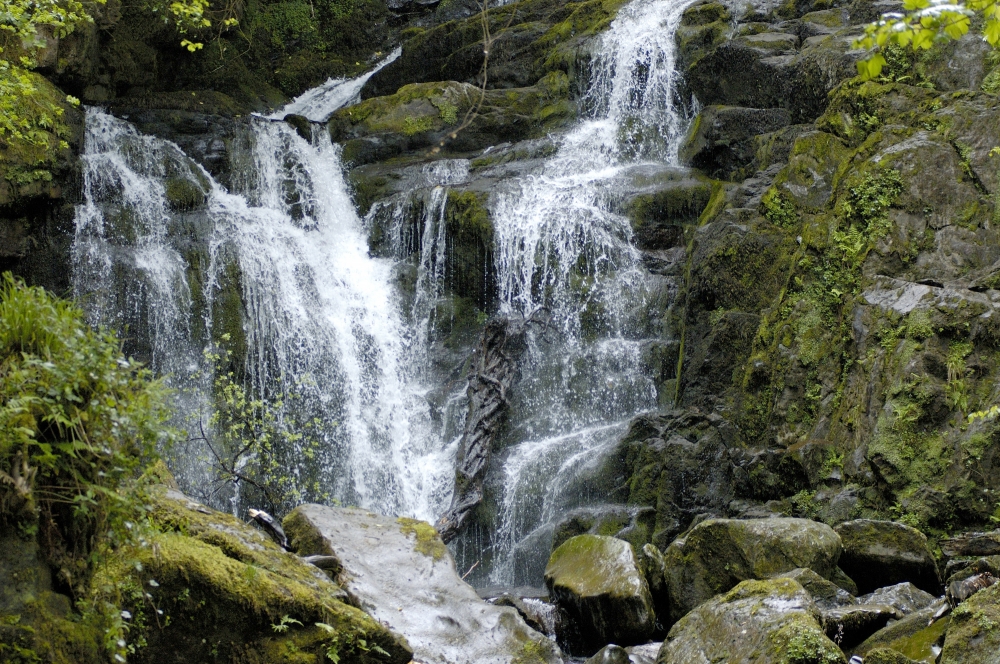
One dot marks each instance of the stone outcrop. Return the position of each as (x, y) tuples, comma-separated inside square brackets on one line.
[(760, 621), (597, 581), (884, 553), (399, 571), (717, 554)]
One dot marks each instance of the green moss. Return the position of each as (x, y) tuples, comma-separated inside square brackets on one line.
[(428, 542), (807, 645), (778, 210), (183, 194)]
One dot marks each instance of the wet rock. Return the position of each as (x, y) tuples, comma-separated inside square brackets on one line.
[(538, 614), (632, 524), (904, 597), (644, 654), (225, 583), (662, 204), (917, 636), (972, 544), (400, 572), (757, 621), (611, 654), (597, 581), (825, 594), (654, 570), (974, 633), (886, 656), (721, 139), (882, 553), (719, 553), (850, 625)]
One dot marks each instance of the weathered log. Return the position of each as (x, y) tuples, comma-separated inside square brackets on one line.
[(495, 372)]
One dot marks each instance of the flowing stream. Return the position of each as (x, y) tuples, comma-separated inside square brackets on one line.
[(277, 269)]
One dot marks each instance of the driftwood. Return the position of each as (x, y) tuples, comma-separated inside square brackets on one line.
[(495, 372)]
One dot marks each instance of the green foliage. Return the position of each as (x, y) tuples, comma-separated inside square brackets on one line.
[(777, 209), (924, 23), (256, 443), (76, 421)]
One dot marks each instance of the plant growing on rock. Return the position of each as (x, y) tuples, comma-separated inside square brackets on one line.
[(76, 420)]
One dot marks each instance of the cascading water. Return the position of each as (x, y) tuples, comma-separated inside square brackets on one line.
[(561, 247), (281, 265), (322, 334)]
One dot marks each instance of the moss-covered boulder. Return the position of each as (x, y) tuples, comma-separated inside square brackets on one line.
[(904, 597), (597, 581), (717, 554), (884, 553), (429, 116), (764, 622), (825, 594), (917, 636), (207, 582), (402, 574), (974, 632)]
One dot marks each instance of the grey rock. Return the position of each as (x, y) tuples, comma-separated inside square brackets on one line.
[(719, 553), (757, 621), (400, 572), (882, 553), (597, 581), (904, 597), (825, 594)]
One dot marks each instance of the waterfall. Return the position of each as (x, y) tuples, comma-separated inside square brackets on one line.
[(278, 269), (323, 336), (562, 247)]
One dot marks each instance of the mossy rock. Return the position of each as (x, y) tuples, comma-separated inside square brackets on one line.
[(717, 554), (974, 632), (184, 194), (766, 622), (721, 139), (884, 553), (887, 656), (597, 581), (916, 636), (659, 212), (221, 585), (448, 115)]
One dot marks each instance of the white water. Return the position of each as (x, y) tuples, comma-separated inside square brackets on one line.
[(319, 103), (324, 328), (319, 315), (560, 247)]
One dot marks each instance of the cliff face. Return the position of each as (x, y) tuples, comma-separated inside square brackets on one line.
[(835, 245)]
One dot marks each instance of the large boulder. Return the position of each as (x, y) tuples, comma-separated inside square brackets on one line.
[(974, 633), (208, 581), (717, 554), (917, 636), (904, 597), (763, 622), (884, 553), (597, 581), (400, 572)]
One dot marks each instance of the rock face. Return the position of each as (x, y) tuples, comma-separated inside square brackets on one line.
[(719, 553), (222, 584), (974, 633), (597, 581), (757, 621), (884, 553), (399, 571), (917, 636)]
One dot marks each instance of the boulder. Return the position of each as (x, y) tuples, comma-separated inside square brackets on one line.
[(974, 633), (904, 597), (654, 571), (719, 553), (825, 594), (757, 621), (884, 553), (917, 636), (887, 656), (401, 573), (610, 654), (597, 581), (850, 625), (212, 582)]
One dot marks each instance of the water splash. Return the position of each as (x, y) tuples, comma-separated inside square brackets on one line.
[(318, 104), (323, 332), (560, 246)]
